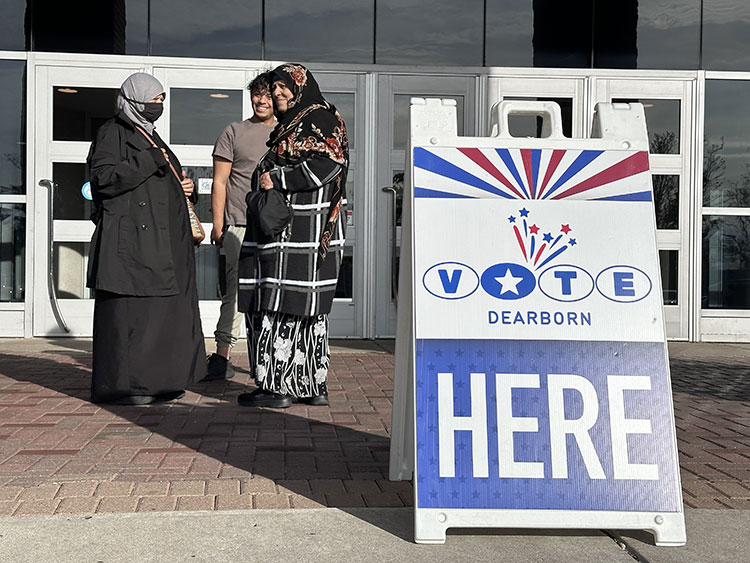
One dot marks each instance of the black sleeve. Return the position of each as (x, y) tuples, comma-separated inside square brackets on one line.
[(111, 174), (311, 174)]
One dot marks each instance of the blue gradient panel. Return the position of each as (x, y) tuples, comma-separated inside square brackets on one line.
[(593, 361)]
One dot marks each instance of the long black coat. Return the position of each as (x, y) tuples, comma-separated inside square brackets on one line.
[(130, 249)]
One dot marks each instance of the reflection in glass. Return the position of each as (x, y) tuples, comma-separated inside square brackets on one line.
[(345, 105), (445, 33), (202, 176), (197, 116), (321, 31), (12, 36), (350, 198), (666, 200), (12, 251), (401, 105), (662, 122), (726, 145), (188, 28), (346, 275), (78, 112), (509, 33), (69, 202), (207, 272), (531, 126), (726, 35), (726, 262), (12, 127), (668, 262), (70, 261), (398, 185), (647, 34)]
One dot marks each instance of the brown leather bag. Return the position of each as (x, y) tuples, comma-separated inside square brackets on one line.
[(195, 225)]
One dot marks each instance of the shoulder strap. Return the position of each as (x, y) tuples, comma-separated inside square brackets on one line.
[(153, 144)]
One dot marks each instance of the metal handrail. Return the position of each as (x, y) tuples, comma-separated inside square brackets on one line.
[(394, 245), (50, 185)]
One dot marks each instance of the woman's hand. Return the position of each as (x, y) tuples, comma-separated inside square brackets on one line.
[(265, 181), (187, 185)]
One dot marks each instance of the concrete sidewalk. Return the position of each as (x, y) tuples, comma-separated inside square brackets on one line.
[(356, 535)]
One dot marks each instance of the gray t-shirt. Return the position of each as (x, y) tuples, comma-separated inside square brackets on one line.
[(244, 143)]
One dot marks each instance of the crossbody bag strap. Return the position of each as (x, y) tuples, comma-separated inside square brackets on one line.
[(153, 144)]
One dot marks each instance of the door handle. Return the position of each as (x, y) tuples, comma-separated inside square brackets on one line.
[(50, 185), (394, 247)]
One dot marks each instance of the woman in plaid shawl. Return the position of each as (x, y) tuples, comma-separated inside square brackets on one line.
[(287, 282)]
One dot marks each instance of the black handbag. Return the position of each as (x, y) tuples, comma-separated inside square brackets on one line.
[(270, 210)]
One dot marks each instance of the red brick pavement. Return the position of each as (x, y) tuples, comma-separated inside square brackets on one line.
[(61, 454)]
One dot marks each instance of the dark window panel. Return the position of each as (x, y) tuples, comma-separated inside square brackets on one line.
[(666, 200), (668, 263), (726, 262), (13, 30), (510, 33), (726, 35), (12, 127), (662, 122), (12, 251), (198, 116), (615, 40), (726, 150), (323, 31), (115, 27), (69, 202), (562, 33), (78, 112), (445, 32), (224, 29)]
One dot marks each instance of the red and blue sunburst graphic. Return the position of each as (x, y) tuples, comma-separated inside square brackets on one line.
[(539, 247), (548, 174)]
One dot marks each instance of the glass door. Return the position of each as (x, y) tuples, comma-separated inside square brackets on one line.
[(668, 105), (394, 97), (71, 103)]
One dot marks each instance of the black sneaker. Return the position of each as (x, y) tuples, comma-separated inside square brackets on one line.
[(218, 367), (261, 398)]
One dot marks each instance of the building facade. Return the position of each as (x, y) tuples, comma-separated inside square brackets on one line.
[(687, 61)]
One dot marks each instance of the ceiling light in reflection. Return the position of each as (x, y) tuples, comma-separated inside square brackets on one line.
[(66, 90), (219, 96)]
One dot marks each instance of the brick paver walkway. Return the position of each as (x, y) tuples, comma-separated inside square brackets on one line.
[(61, 454)]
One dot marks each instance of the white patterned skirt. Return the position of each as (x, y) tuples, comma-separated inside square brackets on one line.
[(289, 354)]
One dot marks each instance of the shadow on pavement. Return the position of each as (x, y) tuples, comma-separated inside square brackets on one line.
[(291, 447)]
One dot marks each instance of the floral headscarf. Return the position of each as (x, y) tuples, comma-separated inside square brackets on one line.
[(310, 126)]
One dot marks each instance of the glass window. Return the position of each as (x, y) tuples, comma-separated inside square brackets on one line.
[(662, 122), (647, 34), (198, 116), (531, 126), (726, 262), (726, 150), (322, 31), (509, 33), (12, 26), (668, 261), (203, 178), (401, 105), (445, 32), (666, 200), (90, 27), (12, 251), (207, 272), (78, 112), (225, 29), (345, 105), (562, 32), (69, 202), (12, 127), (726, 35), (69, 272)]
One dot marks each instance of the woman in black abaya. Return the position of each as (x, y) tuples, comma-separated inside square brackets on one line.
[(148, 342)]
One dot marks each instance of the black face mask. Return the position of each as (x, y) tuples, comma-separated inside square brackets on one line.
[(152, 111)]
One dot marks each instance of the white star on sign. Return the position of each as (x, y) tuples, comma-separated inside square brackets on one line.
[(509, 282)]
